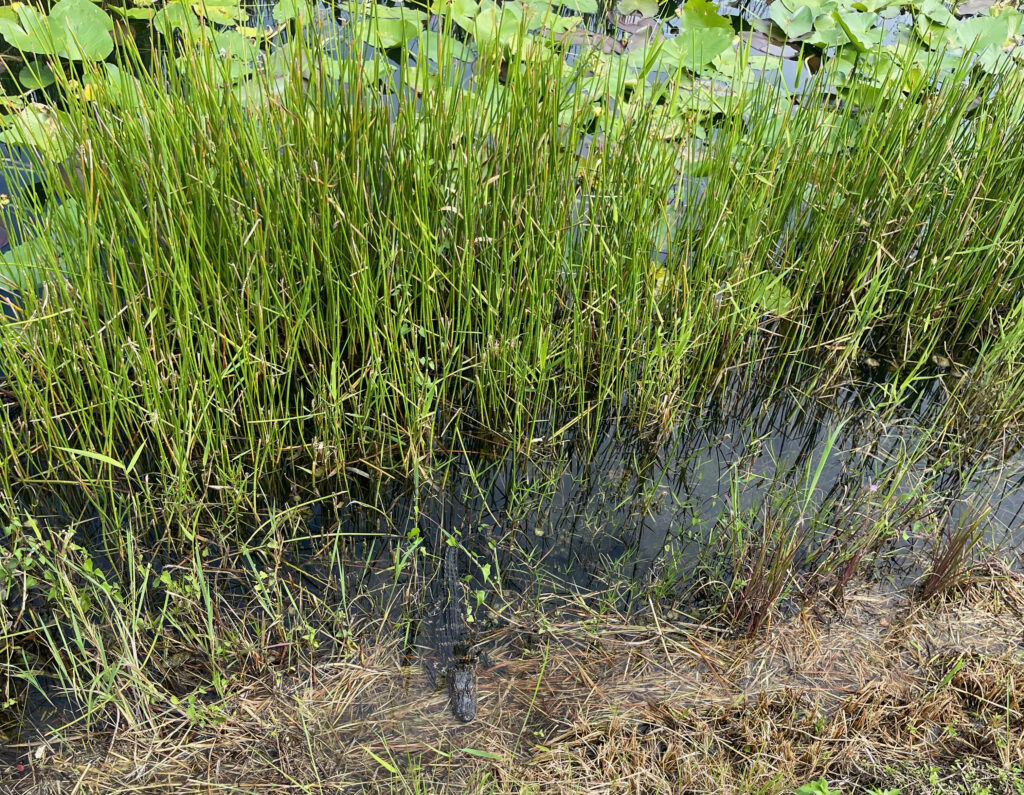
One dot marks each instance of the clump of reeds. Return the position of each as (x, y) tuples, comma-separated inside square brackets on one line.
[(328, 273)]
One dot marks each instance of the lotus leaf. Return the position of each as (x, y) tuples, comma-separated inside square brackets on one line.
[(934, 34), (982, 33), (419, 79), (21, 266), (83, 29), (701, 15), (387, 33), (883, 7), (827, 33), (794, 23), (74, 29), (37, 126), (859, 27), (36, 74), (703, 34), (646, 8), (219, 12), (769, 292), (28, 31), (936, 12), (434, 45), (497, 23), (818, 7), (285, 10), (122, 88), (737, 64), (398, 12), (176, 17), (462, 11), (580, 6)]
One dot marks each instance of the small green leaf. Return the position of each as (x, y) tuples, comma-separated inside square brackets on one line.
[(482, 754), (105, 459), (384, 764), (36, 74)]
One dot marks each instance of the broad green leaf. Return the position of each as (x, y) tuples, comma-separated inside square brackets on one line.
[(497, 23), (934, 34), (695, 50), (793, 23), (83, 30), (982, 33), (220, 12), (29, 32), (827, 33), (388, 33), (859, 28), (36, 74), (37, 126), (461, 11), (285, 10), (580, 6), (122, 89), (871, 5), (772, 295), (22, 266), (239, 51), (419, 79), (646, 8), (399, 12), (176, 17), (701, 15), (818, 7), (434, 45), (936, 12)]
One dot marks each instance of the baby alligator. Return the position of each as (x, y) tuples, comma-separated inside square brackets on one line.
[(461, 673)]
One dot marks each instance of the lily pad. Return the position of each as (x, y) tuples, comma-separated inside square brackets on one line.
[(36, 74), (645, 8), (461, 11), (434, 45), (28, 30), (176, 17), (936, 12), (285, 10), (387, 33), (36, 126), (859, 27), (794, 23), (74, 29), (83, 30), (703, 35), (580, 6), (818, 7), (982, 33), (123, 89), (219, 12), (497, 24)]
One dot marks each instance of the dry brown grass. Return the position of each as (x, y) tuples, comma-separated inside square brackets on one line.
[(574, 701)]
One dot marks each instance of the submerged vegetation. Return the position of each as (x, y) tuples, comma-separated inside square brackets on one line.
[(296, 311)]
